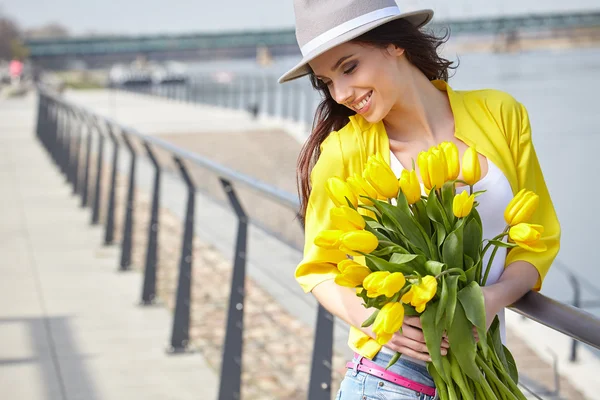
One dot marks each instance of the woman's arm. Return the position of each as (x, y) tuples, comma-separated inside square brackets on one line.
[(346, 305), (517, 279)]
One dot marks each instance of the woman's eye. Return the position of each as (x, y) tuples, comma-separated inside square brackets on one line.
[(349, 70)]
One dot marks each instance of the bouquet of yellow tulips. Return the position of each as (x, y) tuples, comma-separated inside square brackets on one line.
[(424, 256)]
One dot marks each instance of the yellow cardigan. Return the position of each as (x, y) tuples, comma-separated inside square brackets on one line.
[(492, 120)]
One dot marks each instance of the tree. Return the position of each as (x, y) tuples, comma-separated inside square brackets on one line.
[(10, 38)]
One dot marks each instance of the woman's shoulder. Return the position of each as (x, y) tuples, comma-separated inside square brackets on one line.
[(493, 100)]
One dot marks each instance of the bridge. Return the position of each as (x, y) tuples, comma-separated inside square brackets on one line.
[(110, 49)]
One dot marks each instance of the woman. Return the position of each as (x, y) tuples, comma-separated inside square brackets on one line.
[(385, 91)]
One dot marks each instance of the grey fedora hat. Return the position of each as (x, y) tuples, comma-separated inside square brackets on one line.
[(324, 24)]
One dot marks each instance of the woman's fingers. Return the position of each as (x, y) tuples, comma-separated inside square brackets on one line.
[(413, 321), (412, 339), (413, 333)]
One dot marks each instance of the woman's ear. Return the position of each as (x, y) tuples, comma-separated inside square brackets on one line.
[(394, 50)]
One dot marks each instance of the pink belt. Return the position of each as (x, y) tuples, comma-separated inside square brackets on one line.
[(369, 367)]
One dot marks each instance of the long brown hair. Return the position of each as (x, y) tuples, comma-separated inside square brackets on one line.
[(420, 48)]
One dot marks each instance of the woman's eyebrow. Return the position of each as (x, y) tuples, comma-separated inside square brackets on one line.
[(336, 65)]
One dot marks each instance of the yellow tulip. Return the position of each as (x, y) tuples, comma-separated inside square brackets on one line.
[(329, 239), (361, 187), (384, 283), (463, 204), (346, 219), (420, 293), (381, 177), (388, 321), (521, 207), (439, 153), (451, 153), (351, 274), (432, 169), (470, 166), (527, 236), (409, 183), (357, 242), (338, 190)]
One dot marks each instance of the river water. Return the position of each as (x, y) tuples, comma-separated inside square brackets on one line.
[(560, 89)]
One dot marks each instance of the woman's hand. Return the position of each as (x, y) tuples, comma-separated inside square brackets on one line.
[(411, 341)]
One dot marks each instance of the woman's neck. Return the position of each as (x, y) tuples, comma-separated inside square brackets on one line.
[(421, 114)]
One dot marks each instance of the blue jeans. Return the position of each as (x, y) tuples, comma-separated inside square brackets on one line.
[(362, 386)]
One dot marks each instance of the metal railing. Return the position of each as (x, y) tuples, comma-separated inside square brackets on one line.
[(68, 131), (258, 94)]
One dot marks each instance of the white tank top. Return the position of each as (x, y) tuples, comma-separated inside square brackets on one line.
[(491, 209)]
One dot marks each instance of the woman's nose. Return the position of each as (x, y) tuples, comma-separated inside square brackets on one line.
[(342, 94)]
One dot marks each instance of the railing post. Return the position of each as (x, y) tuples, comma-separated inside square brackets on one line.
[(576, 303), (149, 288), (181, 322), (231, 364), (98, 188), (76, 155), (109, 234), (127, 242), (319, 387), (86, 171), (71, 145)]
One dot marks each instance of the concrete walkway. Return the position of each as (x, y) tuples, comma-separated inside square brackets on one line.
[(70, 324)]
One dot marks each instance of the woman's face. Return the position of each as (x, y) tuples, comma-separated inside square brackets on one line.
[(364, 78)]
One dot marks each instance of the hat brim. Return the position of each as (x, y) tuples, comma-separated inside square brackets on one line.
[(417, 18)]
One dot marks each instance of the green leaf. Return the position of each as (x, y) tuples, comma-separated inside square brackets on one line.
[(381, 233), (433, 333), (441, 233), (452, 283), (387, 250), (383, 265), (443, 301), (434, 267), (496, 342), (463, 345), (369, 321), (395, 358), (434, 209), (452, 250), (448, 193), (470, 273), (512, 365), (410, 311), (421, 216), (472, 300), (408, 226), (402, 203), (398, 258)]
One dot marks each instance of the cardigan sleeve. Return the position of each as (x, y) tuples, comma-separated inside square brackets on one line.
[(319, 264), (530, 177)]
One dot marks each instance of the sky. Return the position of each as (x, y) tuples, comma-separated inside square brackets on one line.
[(177, 16)]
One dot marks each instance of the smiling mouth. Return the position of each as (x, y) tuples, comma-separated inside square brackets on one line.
[(361, 104)]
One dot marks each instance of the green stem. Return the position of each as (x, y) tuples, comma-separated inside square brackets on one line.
[(507, 378), (494, 378), (489, 266), (440, 385), (479, 391)]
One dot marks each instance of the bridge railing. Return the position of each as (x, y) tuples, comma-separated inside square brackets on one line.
[(69, 132)]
